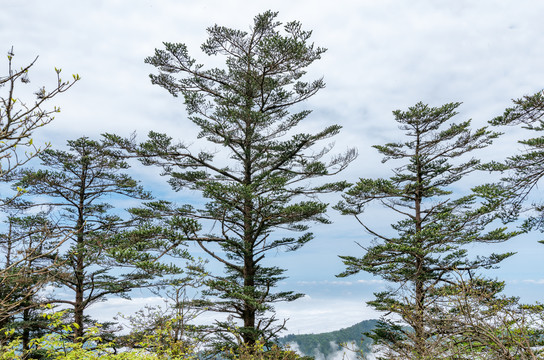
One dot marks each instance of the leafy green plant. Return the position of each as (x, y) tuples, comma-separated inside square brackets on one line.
[(164, 344), (259, 351), (58, 344)]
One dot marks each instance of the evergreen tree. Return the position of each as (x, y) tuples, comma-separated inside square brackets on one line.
[(76, 185), (19, 119), (262, 183), (430, 245), (524, 170)]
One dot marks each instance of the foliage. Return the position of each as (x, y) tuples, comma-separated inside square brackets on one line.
[(29, 256), (28, 242), (58, 345), (20, 118), (524, 170), (474, 321), (259, 351), (434, 228), (54, 344), (164, 344), (260, 182), (170, 330)]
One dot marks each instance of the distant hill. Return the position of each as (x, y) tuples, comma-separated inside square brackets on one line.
[(327, 344)]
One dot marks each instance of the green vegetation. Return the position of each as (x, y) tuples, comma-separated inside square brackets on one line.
[(524, 170), (58, 344)]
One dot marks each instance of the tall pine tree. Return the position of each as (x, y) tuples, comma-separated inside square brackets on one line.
[(248, 111), (429, 248)]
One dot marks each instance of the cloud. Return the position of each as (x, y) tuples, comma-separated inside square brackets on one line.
[(347, 352), (342, 282), (373, 281), (295, 347), (536, 282), (306, 315), (317, 315), (107, 310)]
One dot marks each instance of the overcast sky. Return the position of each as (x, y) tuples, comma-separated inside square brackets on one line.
[(382, 56)]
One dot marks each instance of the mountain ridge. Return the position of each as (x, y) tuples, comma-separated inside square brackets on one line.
[(322, 345)]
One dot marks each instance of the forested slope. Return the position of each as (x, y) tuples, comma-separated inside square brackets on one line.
[(329, 342)]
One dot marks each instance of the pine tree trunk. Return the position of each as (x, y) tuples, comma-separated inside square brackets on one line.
[(78, 308), (80, 257), (249, 278), (79, 279), (26, 334), (249, 311), (419, 322)]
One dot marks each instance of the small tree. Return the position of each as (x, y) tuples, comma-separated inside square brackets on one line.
[(75, 184), (473, 320), (169, 329), (245, 109), (435, 227), (19, 119)]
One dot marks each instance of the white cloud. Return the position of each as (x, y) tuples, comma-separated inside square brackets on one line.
[(534, 281), (306, 315), (112, 307), (342, 282), (373, 281), (317, 315), (346, 352), (295, 347)]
